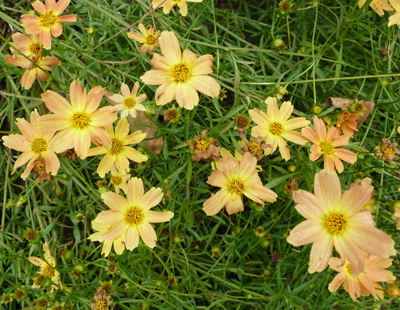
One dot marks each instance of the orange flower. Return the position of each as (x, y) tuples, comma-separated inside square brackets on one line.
[(364, 283), (129, 103), (236, 179), (326, 144), (35, 144), (180, 75), (379, 6), (334, 220), (48, 23), (275, 127), (33, 69), (118, 153), (29, 45), (148, 38), (130, 218), (346, 122), (167, 5), (80, 122)]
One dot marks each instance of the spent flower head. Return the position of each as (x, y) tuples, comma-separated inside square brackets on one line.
[(203, 147), (387, 150)]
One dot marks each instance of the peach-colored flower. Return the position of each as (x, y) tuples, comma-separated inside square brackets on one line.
[(129, 102), (180, 75), (334, 220), (131, 217), (346, 122), (364, 283), (79, 122), (255, 146), (203, 147), (118, 242), (327, 143), (48, 22), (35, 144), (167, 5), (395, 18), (101, 300), (236, 179), (118, 153), (379, 6), (47, 268), (148, 38), (119, 180), (275, 127), (33, 69), (29, 45)]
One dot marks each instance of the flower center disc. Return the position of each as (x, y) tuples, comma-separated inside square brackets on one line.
[(151, 39), (387, 150), (134, 216), (48, 19), (254, 148), (80, 120), (202, 145), (101, 304), (180, 72), (236, 187), (116, 180), (129, 102), (48, 271), (336, 223), (39, 145), (116, 146), (34, 48), (276, 128), (326, 148)]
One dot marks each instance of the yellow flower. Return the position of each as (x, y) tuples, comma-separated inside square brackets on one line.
[(275, 127), (130, 217), (118, 153), (47, 268), (35, 144), (119, 180), (334, 220), (379, 6), (167, 5), (48, 22), (148, 38), (180, 75), (366, 282), (118, 242), (80, 122), (236, 179), (128, 102)]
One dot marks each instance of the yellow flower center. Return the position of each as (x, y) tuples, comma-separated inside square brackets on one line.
[(134, 216), (387, 150), (236, 187), (151, 39), (80, 120), (34, 48), (48, 19), (254, 147), (48, 271), (276, 128), (202, 145), (101, 304), (180, 72), (336, 223), (326, 148), (40, 165), (116, 180), (116, 146), (129, 102), (39, 145), (348, 268)]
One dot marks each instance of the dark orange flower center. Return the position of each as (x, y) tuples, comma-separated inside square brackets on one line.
[(150, 39), (116, 180), (134, 216), (48, 19), (276, 128), (180, 72), (34, 48), (236, 187), (336, 223), (129, 102), (39, 145)]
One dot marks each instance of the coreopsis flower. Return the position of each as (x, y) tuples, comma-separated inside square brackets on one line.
[(119, 180), (327, 143), (119, 153), (48, 22), (379, 6), (334, 221), (101, 229), (33, 69), (40, 169), (167, 5), (236, 179), (366, 282), (130, 217), (101, 300), (47, 268), (255, 146), (129, 102), (29, 45), (387, 150), (346, 122), (180, 75), (275, 127), (203, 147), (35, 144), (148, 38), (80, 122)]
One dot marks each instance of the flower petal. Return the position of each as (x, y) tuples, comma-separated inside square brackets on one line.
[(327, 189), (148, 234), (309, 206), (186, 96), (234, 205), (132, 238), (169, 46), (151, 198), (115, 202), (205, 84), (307, 232), (135, 191), (158, 217), (321, 252), (216, 202)]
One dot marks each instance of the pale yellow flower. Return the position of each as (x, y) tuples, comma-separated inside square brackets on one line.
[(379, 6), (148, 38), (167, 5), (129, 102)]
